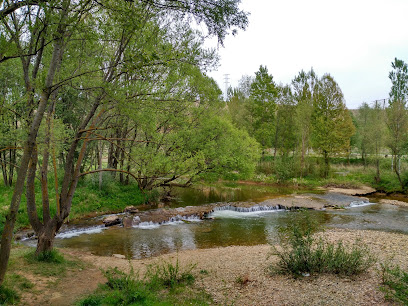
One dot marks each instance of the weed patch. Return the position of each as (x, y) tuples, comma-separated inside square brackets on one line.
[(165, 284), (8, 296), (395, 283)]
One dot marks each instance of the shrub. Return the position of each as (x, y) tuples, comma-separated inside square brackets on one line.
[(395, 283), (300, 253)]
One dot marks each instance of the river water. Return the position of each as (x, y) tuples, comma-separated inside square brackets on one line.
[(226, 227)]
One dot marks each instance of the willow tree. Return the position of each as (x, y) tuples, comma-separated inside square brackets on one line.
[(44, 36), (331, 121)]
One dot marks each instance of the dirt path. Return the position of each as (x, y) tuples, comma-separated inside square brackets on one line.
[(221, 268)]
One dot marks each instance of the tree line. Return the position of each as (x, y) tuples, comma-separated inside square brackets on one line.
[(308, 114), (308, 117)]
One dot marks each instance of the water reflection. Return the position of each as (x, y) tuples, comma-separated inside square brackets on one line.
[(231, 228)]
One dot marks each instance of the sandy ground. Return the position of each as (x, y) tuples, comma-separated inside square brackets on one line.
[(363, 190), (394, 202), (226, 265)]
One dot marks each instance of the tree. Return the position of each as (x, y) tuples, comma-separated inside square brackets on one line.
[(397, 120), (364, 127), (303, 91), (238, 104), (331, 121), (377, 134), (399, 80), (262, 107), (60, 44), (397, 123), (285, 131)]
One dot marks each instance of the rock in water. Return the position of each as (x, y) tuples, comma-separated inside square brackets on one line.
[(128, 222), (112, 220), (131, 210)]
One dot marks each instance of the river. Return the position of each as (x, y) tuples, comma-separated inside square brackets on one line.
[(226, 227)]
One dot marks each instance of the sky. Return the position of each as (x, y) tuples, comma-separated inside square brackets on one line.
[(353, 40)]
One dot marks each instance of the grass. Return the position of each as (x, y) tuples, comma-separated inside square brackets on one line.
[(300, 253), (50, 263), (8, 296), (23, 262), (165, 284), (88, 199), (395, 283)]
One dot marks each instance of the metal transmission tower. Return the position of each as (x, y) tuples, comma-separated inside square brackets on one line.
[(226, 82)]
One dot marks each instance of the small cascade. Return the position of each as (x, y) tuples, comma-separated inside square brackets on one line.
[(236, 212), (80, 231), (172, 221), (361, 203), (256, 208)]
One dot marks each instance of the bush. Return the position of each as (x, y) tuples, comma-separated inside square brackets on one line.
[(285, 168), (395, 283), (301, 254)]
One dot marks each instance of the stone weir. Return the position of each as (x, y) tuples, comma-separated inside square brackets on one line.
[(135, 218)]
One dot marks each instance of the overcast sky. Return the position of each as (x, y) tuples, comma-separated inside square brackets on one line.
[(353, 40)]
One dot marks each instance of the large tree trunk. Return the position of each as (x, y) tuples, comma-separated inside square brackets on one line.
[(47, 235)]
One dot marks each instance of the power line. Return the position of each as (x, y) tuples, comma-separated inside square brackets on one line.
[(226, 82)]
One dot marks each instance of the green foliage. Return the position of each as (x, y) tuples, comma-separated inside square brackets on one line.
[(331, 122), (8, 296), (301, 254), (165, 284), (395, 283), (170, 276), (399, 80), (285, 168), (262, 107), (52, 256)]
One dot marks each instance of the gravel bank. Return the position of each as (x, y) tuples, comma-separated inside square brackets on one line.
[(226, 265)]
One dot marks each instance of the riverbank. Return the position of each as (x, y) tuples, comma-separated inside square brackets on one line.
[(238, 275)]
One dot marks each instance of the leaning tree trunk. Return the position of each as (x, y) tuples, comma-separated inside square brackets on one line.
[(19, 187)]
